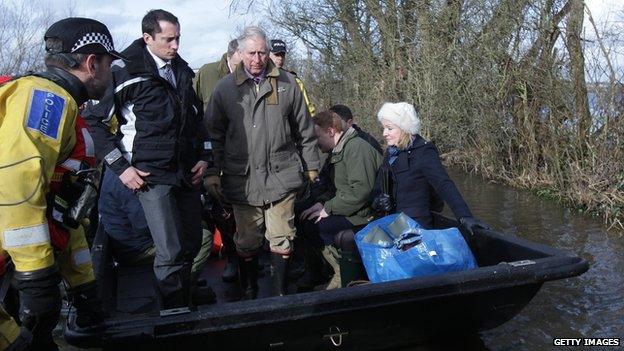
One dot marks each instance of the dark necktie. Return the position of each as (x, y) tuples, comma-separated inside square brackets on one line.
[(169, 74)]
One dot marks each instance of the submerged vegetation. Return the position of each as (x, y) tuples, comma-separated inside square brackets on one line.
[(516, 90)]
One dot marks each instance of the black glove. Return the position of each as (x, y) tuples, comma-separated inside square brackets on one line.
[(382, 204), (471, 224), (40, 304)]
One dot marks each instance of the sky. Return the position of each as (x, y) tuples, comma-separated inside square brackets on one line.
[(207, 25)]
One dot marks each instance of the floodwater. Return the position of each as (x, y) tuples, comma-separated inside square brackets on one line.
[(591, 305)]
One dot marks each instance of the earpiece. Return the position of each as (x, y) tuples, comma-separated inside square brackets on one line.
[(69, 59)]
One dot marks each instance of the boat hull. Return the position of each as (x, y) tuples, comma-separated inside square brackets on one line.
[(370, 316)]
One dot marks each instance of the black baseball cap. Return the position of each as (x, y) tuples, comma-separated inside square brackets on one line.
[(82, 36), (277, 46)]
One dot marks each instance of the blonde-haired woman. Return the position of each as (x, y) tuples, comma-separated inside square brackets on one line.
[(413, 176)]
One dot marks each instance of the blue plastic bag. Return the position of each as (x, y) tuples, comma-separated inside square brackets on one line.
[(397, 247)]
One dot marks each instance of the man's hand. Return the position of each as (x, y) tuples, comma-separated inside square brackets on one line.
[(133, 178), (312, 175), (315, 211), (198, 172), (212, 183)]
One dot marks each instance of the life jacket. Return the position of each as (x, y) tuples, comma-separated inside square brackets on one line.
[(3, 262), (82, 156)]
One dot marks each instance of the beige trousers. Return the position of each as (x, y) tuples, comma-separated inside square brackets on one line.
[(276, 221)]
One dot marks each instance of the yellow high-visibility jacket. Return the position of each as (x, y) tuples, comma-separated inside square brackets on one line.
[(37, 129), (308, 102)]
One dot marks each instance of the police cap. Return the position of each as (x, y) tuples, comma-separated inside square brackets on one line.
[(82, 36), (277, 46)]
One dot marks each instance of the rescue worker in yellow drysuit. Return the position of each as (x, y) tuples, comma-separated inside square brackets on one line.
[(37, 132)]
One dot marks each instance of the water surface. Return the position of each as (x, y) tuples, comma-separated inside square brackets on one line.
[(591, 305)]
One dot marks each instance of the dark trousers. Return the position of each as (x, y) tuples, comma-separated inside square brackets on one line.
[(174, 217), (328, 227), (123, 218)]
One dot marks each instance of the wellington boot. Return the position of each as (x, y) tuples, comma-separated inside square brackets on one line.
[(310, 279), (351, 268), (203, 295), (248, 269), (279, 271), (85, 298), (230, 269)]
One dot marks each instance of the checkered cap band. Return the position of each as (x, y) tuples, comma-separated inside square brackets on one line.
[(94, 38)]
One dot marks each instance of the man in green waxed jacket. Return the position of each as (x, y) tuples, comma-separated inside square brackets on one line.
[(209, 74), (264, 151), (353, 167)]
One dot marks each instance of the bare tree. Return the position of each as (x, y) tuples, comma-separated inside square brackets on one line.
[(577, 68), (501, 85), (23, 24)]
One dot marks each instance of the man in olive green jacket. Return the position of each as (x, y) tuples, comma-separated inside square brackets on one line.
[(209, 74), (264, 150), (353, 167)]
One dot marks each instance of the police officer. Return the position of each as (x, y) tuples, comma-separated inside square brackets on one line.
[(278, 56), (37, 132)]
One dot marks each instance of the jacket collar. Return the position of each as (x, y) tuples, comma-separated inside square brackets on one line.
[(141, 62), (223, 67), (240, 76), (418, 142), (74, 86), (393, 152), (160, 63), (339, 148)]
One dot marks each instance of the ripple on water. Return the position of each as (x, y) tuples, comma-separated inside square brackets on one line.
[(591, 305)]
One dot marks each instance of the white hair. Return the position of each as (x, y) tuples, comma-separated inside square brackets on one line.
[(252, 32)]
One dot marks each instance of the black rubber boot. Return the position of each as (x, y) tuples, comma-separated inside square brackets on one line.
[(310, 248), (297, 261), (86, 299), (202, 294), (279, 271), (231, 265), (306, 282), (40, 305), (248, 268), (312, 276), (175, 290)]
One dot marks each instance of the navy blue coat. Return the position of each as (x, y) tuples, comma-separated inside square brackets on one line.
[(417, 181)]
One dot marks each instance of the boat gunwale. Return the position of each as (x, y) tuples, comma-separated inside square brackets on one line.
[(557, 264)]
